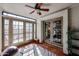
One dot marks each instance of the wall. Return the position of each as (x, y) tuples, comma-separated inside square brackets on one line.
[(0, 30), (63, 13), (39, 29), (74, 16), (74, 20)]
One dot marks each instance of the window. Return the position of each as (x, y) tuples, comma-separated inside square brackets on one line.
[(17, 31), (6, 32), (29, 31)]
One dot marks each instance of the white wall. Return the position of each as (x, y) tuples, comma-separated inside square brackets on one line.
[(39, 29), (75, 17), (0, 30), (74, 13), (63, 13)]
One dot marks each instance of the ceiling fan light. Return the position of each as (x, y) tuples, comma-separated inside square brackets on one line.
[(39, 13)]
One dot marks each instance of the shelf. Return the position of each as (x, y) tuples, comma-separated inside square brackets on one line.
[(73, 54), (75, 47), (75, 39)]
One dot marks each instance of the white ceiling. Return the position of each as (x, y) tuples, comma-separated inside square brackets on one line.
[(21, 9)]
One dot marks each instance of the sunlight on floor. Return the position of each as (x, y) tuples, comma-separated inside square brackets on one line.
[(34, 50), (39, 52)]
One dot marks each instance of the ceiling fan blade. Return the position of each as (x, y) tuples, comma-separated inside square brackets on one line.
[(38, 5), (32, 12), (44, 9), (29, 6)]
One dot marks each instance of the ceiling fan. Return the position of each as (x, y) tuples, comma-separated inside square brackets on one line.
[(38, 8)]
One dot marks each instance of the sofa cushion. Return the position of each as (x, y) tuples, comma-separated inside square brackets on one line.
[(10, 51)]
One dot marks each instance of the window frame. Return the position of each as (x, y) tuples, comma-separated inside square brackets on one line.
[(18, 33), (6, 34), (16, 19)]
